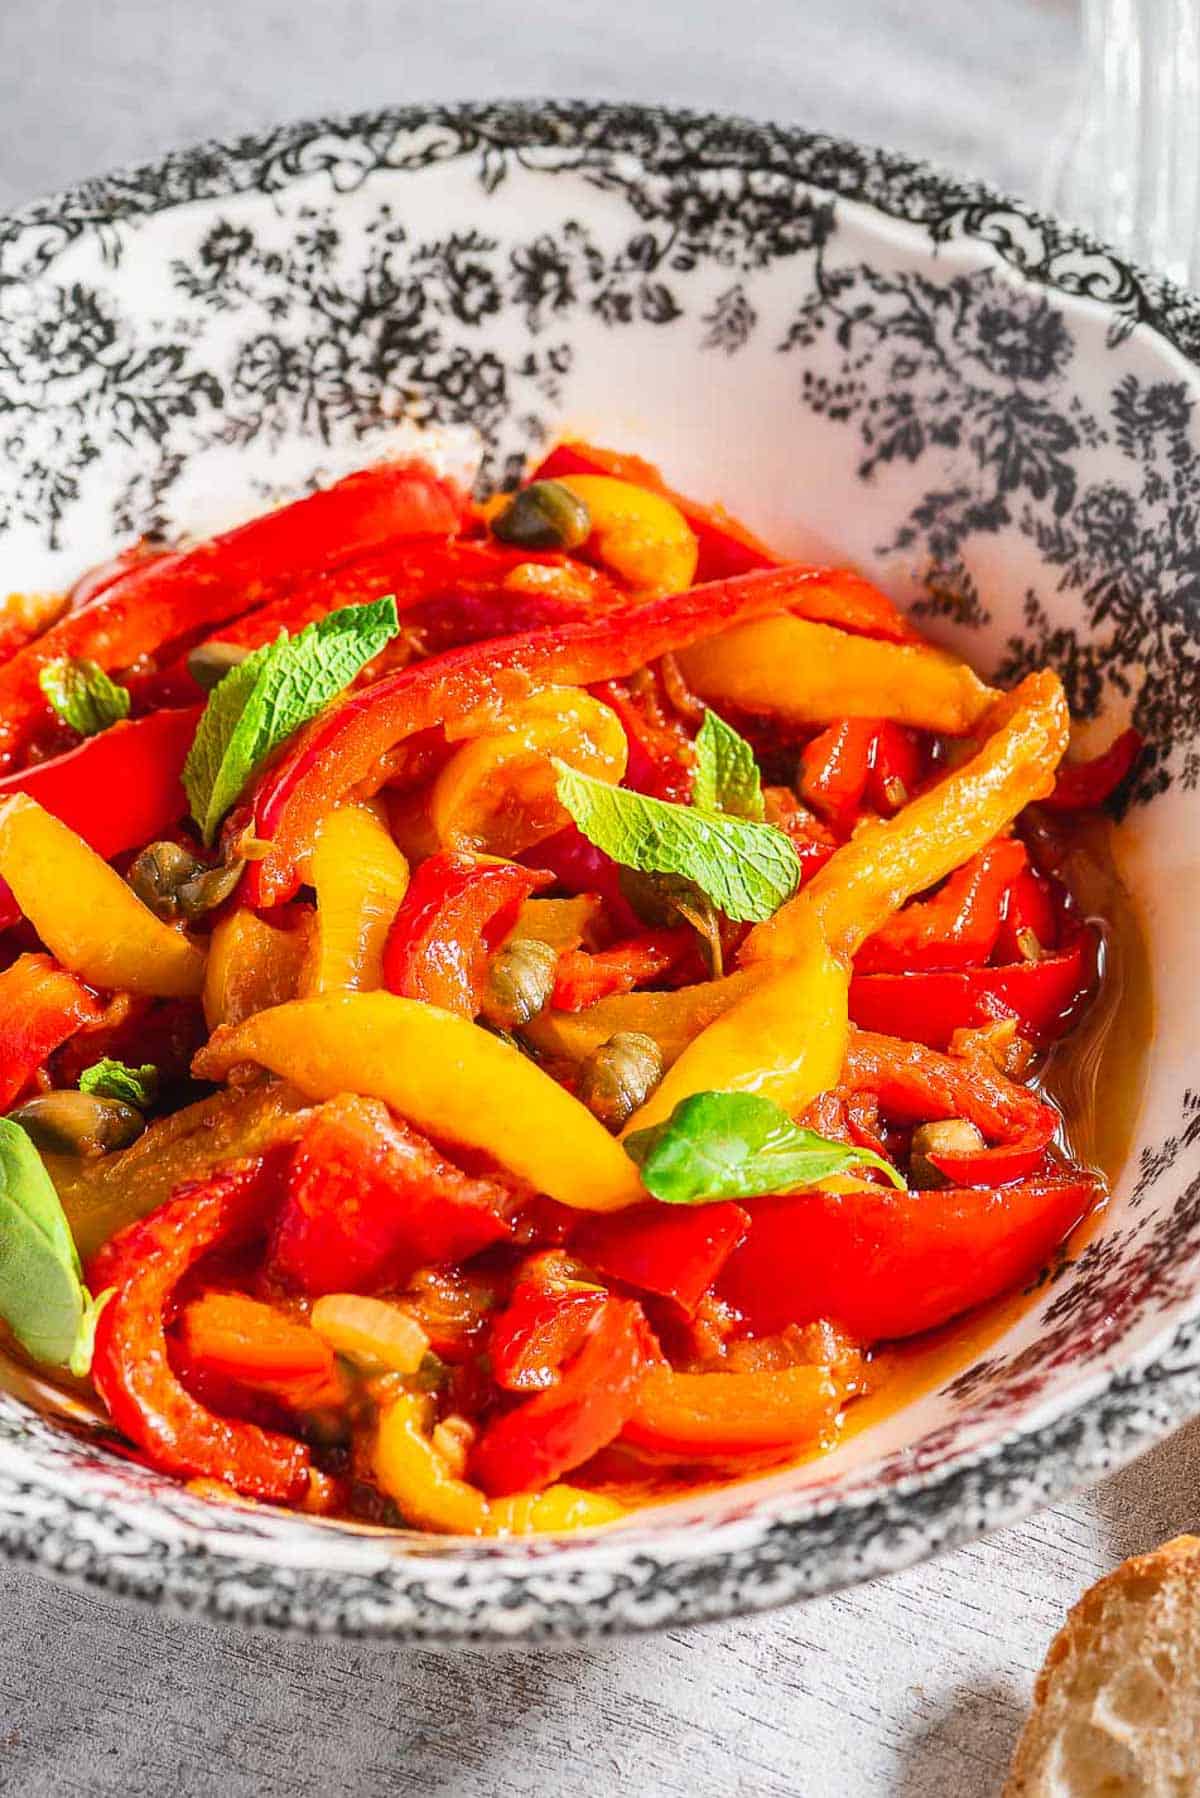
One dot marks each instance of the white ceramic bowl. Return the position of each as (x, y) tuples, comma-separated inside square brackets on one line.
[(867, 359)]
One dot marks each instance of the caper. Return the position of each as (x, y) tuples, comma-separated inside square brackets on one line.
[(73, 1123), (209, 663), (946, 1136), (544, 515), (174, 883), (620, 1075), (520, 982)]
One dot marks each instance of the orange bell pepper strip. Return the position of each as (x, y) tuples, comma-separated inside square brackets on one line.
[(720, 1416), (886, 1264), (547, 1435), (85, 914), (958, 927), (360, 878), (165, 597), (785, 1038), (447, 1077), (886, 863), (253, 965), (234, 1337), (131, 1366), (806, 674), (41, 1007), (347, 749)]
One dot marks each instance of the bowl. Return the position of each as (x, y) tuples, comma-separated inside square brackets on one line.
[(994, 416)]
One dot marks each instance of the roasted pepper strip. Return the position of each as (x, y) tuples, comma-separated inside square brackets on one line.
[(1043, 997), (785, 1039), (252, 965), (412, 1472), (913, 1083), (582, 979), (719, 1416), (84, 912), (1083, 786), (368, 1201), (346, 750), (674, 1252), (885, 1264), (360, 878), (886, 863), (805, 674), (130, 1366), (547, 1435), (537, 1331), (673, 1019), (165, 597), (958, 927), (235, 1337), (457, 911), (41, 1006), (835, 769), (446, 1076)]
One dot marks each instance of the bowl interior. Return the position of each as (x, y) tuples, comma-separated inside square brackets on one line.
[(869, 363)]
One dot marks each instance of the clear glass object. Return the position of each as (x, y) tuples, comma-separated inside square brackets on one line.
[(1129, 166)]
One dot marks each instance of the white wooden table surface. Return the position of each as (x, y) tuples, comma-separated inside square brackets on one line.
[(915, 1685)]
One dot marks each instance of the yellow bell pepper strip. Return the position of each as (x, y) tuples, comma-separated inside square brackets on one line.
[(808, 673), (496, 794), (672, 1019), (559, 1507), (85, 914), (641, 535), (412, 1472), (446, 1076), (252, 965), (360, 878), (560, 923), (885, 863), (785, 1039)]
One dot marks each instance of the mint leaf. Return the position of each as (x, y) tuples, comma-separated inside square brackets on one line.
[(726, 777), (82, 695), (746, 869), (265, 699), (108, 1079), (42, 1296), (736, 1146)]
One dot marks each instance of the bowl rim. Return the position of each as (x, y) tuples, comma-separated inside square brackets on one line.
[(643, 1576)]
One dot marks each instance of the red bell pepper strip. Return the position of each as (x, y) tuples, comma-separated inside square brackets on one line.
[(661, 760), (582, 978), (1030, 924), (538, 1330), (456, 912), (369, 1201), (957, 928), (914, 1084), (887, 1264), (165, 597), (41, 1006), (345, 749), (230, 1336), (896, 768), (720, 1416), (726, 547), (813, 841), (545, 1436), (1044, 997), (674, 1253), (131, 1366), (1084, 786), (835, 768)]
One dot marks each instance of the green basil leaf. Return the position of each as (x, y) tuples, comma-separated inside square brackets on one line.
[(746, 869), (82, 695), (84, 1345), (42, 1296), (108, 1079), (726, 777), (265, 699), (737, 1146)]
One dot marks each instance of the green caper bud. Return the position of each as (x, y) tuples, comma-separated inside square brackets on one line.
[(545, 515), (73, 1123), (209, 663), (174, 883), (208, 889), (620, 1075), (946, 1136), (519, 983)]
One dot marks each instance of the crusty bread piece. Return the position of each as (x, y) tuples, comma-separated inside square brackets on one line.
[(1116, 1708)]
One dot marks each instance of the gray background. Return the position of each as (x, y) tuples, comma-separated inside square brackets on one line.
[(915, 1685)]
